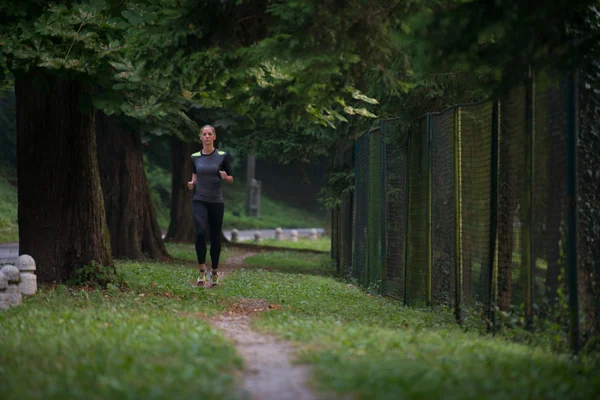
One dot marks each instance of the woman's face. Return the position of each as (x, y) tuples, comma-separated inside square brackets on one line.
[(207, 137)]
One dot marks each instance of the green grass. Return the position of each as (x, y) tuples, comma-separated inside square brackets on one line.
[(292, 262), (320, 244), (146, 342), (273, 214), (9, 229), (187, 252), (373, 347)]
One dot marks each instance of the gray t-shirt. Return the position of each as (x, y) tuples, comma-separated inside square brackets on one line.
[(208, 181)]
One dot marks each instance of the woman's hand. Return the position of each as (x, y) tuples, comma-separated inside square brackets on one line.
[(225, 177), (191, 185)]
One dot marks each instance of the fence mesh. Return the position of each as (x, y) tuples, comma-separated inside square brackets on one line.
[(549, 193), (346, 219), (588, 152), (475, 139), (511, 195), (417, 236), (395, 173), (341, 216), (443, 215), (374, 224), (361, 206), (421, 217)]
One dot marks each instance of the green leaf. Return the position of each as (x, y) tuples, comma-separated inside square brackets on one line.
[(131, 17)]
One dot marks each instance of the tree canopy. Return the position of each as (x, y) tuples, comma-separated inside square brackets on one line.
[(501, 39)]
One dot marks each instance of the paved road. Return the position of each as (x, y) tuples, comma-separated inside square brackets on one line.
[(270, 233), (10, 251)]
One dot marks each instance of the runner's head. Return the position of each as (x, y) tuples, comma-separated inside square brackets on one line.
[(208, 135)]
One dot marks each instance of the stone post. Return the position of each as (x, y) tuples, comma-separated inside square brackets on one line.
[(313, 234), (26, 266), (294, 235), (14, 279), (279, 234), (3, 292), (257, 236), (235, 236)]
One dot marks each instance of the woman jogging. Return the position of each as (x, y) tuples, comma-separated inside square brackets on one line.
[(210, 166)]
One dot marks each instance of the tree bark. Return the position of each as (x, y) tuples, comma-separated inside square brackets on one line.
[(130, 213), (181, 227), (62, 222)]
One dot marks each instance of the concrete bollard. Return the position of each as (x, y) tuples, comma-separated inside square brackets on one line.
[(26, 266), (235, 235), (257, 236), (3, 292), (294, 236), (14, 279), (279, 234), (313, 234)]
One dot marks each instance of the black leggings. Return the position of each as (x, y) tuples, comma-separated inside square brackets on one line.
[(208, 217)]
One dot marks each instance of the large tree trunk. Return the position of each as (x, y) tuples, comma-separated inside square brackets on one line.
[(130, 213), (61, 213), (181, 227)]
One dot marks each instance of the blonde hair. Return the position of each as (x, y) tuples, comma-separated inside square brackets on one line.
[(212, 128)]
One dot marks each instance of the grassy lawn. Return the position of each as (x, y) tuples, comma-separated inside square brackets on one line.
[(373, 347), (273, 214), (320, 244), (292, 262), (147, 341), (187, 252), (9, 229)]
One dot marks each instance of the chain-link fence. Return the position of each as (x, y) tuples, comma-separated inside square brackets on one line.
[(361, 209), (395, 173), (474, 208)]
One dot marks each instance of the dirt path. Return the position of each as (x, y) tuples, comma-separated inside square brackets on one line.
[(269, 372)]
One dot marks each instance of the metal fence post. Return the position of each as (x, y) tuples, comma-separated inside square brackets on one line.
[(349, 233), (366, 269), (355, 208), (572, 133), (406, 215), (429, 211), (383, 132), (493, 255), (528, 258), (458, 260)]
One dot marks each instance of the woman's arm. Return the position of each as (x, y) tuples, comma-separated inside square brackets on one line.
[(225, 177), (225, 170)]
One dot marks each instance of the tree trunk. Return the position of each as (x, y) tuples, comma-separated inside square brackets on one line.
[(62, 222), (130, 213), (181, 227)]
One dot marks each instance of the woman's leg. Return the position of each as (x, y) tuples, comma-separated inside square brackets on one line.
[(200, 213), (215, 223)]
